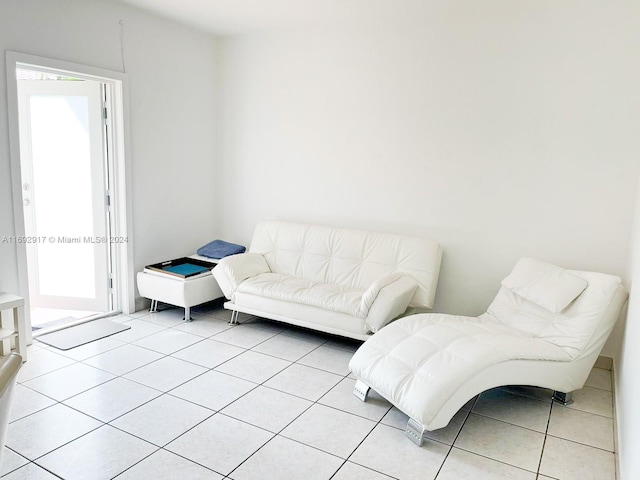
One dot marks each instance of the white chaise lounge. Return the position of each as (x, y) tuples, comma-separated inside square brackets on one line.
[(545, 328)]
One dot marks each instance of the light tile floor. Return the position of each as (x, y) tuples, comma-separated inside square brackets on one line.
[(262, 400)]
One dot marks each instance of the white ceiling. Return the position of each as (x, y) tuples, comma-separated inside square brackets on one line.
[(229, 17)]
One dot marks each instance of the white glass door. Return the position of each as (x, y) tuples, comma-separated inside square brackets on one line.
[(64, 193)]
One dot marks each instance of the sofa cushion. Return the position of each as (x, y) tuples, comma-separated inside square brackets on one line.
[(544, 284), (349, 257), (298, 290)]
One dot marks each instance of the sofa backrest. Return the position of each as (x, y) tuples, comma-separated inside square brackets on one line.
[(580, 327), (348, 257)]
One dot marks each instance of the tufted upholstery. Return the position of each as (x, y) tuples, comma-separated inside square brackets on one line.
[(575, 329), (299, 290), (342, 281), (429, 365), (348, 257), (420, 360)]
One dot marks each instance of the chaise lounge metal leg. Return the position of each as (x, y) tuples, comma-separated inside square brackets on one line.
[(361, 390), (415, 432), (563, 398), (234, 317)]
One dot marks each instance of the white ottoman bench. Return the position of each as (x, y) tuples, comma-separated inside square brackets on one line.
[(181, 292)]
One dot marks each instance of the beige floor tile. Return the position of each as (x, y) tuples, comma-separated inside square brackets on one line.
[(214, 390), (329, 430), (220, 443), (572, 461), (515, 409), (153, 422), (169, 317), (139, 329), (253, 366), (124, 359), (48, 429), (593, 400), (463, 465), (30, 471), (204, 326), (284, 459), (582, 427), (351, 471), (112, 399), (599, 378), (11, 461), (99, 455), (68, 381), (42, 361), (341, 397), (288, 347), (168, 341), (208, 353), (389, 451), (166, 373), (303, 381), (27, 401), (501, 441), (329, 358), (267, 408), (244, 336), (167, 465)]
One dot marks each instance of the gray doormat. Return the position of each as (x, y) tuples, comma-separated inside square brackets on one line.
[(81, 334)]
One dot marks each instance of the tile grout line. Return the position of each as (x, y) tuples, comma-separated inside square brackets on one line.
[(544, 440), (456, 437)]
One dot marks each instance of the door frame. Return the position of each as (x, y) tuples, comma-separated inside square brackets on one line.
[(121, 186)]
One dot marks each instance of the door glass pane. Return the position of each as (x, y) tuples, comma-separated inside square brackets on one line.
[(62, 193)]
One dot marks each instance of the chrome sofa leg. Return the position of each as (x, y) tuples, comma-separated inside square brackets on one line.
[(154, 306), (187, 314), (563, 398), (361, 390), (234, 317), (415, 432)]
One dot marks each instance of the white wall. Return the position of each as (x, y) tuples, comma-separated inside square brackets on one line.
[(171, 76), (501, 129), (627, 380)]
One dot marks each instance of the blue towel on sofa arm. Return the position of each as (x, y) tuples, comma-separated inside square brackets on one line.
[(220, 249)]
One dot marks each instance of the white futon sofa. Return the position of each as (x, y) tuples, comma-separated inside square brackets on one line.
[(340, 281)]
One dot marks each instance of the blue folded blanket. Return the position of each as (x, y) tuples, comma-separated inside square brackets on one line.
[(220, 249)]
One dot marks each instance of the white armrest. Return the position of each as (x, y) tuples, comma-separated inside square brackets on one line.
[(391, 301), (370, 295), (233, 270)]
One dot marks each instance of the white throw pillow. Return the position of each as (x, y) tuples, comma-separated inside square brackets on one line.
[(544, 284)]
